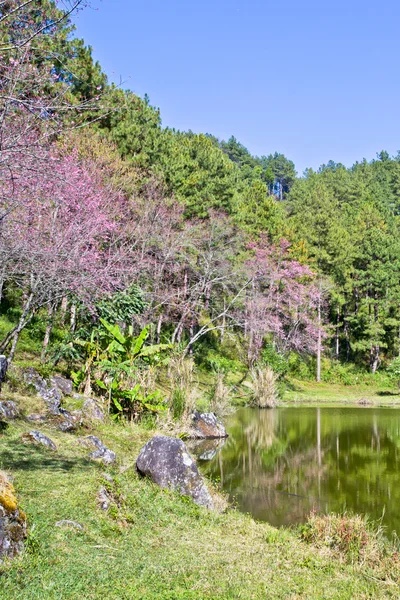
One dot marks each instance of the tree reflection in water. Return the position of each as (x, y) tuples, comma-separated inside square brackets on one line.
[(279, 464)]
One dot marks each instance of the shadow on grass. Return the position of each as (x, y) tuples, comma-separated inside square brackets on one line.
[(17, 456)]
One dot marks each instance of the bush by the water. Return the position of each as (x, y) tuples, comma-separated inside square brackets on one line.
[(264, 391)]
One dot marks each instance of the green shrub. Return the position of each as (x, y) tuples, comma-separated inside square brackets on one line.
[(273, 359)]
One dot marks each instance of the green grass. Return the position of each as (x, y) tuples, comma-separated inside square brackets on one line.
[(156, 545), (306, 392)]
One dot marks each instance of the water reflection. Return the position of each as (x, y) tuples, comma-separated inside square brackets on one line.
[(279, 464), (205, 449)]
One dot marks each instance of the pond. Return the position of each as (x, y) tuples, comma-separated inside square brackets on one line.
[(280, 464)]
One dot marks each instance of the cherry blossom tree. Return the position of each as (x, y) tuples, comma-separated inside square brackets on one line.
[(62, 240), (282, 301)]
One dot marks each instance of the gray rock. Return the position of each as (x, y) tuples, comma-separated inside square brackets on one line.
[(67, 523), (37, 418), (12, 520), (36, 437), (8, 410), (167, 462), (63, 384), (3, 369), (101, 451), (51, 395), (67, 426), (104, 499), (206, 426), (92, 411), (69, 421)]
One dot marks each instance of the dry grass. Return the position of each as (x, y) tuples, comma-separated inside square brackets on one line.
[(221, 398), (183, 394), (354, 540), (264, 391)]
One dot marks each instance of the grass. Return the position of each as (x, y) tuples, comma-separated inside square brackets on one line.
[(306, 392), (153, 544)]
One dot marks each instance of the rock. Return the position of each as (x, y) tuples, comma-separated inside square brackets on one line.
[(92, 411), (67, 523), (37, 418), (104, 499), (8, 410), (63, 384), (36, 437), (205, 449), (51, 395), (102, 453), (3, 369), (364, 402), (67, 426), (167, 462), (69, 421), (206, 426), (12, 520)]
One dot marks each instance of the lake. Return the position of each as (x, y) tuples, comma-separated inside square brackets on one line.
[(279, 464)]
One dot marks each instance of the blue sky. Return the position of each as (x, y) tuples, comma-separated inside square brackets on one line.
[(313, 79)]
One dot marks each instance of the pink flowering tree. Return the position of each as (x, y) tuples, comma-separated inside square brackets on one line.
[(62, 239), (281, 303)]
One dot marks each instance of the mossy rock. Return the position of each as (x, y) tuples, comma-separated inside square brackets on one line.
[(12, 520)]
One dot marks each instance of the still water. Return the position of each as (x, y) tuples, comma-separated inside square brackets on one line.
[(281, 463)]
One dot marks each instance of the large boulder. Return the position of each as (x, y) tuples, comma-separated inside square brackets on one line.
[(167, 462), (12, 520), (206, 426)]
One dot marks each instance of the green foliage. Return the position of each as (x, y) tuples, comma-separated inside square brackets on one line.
[(121, 358), (178, 403), (394, 369), (122, 306), (276, 361), (220, 363)]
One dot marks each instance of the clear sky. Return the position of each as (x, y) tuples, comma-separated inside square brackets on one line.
[(313, 79)]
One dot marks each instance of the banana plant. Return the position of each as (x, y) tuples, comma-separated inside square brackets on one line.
[(116, 359)]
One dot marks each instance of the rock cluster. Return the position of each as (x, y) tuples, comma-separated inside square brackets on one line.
[(12, 520), (49, 390), (166, 461)]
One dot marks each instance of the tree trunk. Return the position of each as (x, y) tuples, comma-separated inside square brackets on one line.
[(223, 324), (374, 359), (159, 324), (63, 308), (73, 318), (337, 348), (24, 319), (319, 342), (191, 335), (47, 333)]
